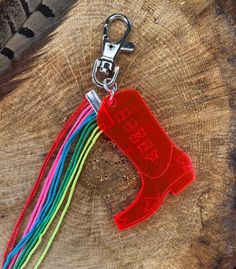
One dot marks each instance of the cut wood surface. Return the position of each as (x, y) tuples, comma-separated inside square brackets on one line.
[(184, 66)]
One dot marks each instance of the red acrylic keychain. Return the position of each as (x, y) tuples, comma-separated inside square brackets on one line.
[(126, 119), (163, 168)]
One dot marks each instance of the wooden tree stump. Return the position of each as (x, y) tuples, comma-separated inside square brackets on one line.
[(184, 67)]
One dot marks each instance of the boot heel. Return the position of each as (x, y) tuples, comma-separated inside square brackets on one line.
[(183, 182)]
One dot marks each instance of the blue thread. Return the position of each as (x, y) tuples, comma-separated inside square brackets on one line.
[(50, 197)]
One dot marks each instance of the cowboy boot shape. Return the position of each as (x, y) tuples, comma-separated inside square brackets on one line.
[(163, 167)]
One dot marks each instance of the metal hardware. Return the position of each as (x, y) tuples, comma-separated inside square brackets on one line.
[(94, 100), (106, 64)]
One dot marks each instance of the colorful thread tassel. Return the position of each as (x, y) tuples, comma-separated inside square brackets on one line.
[(57, 187)]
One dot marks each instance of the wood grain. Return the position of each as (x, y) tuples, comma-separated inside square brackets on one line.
[(184, 66)]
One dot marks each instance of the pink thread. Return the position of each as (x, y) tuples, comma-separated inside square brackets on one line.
[(84, 114), (49, 178)]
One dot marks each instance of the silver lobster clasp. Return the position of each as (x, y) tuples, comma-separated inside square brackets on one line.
[(106, 64)]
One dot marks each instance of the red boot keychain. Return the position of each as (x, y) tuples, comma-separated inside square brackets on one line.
[(126, 119)]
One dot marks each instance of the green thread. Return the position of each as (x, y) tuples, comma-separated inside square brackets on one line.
[(68, 201), (79, 166), (37, 238), (79, 147)]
